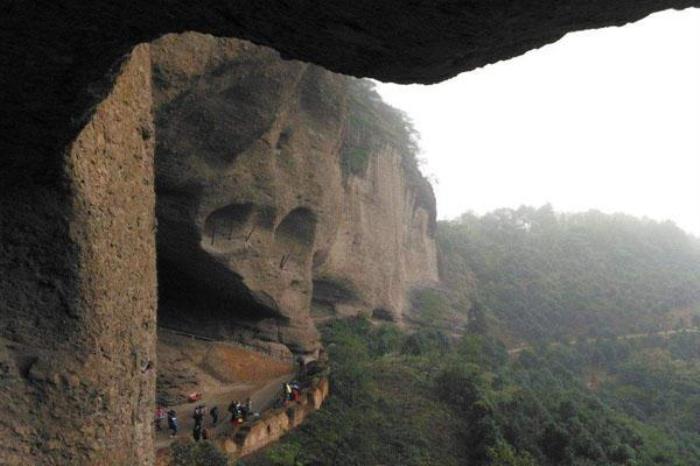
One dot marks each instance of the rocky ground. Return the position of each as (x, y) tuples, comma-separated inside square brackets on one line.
[(212, 368)]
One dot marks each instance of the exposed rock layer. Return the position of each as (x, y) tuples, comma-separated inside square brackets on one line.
[(256, 215)]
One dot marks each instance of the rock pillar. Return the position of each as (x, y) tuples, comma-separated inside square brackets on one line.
[(78, 291)]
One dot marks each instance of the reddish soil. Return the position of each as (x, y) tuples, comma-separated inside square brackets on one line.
[(221, 372), (232, 363)]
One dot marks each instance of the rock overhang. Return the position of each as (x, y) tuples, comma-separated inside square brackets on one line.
[(60, 60)]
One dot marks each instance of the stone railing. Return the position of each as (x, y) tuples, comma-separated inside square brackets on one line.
[(274, 423)]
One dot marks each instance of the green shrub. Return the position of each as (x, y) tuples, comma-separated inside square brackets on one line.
[(426, 341), (386, 339), (355, 160), (202, 453), (430, 306)]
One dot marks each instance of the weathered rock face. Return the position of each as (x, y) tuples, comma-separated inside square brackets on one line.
[(77, 289), (256, 215), (384, 244)]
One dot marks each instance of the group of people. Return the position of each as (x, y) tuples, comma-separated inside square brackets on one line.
[(198, 432), (171, 415), (240, 412), (291, 391)]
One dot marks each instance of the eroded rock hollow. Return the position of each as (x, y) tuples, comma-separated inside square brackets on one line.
[(262, 216)]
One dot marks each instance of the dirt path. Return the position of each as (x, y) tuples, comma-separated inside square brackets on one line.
[(262, 395)]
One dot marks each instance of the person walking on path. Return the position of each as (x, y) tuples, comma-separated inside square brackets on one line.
[(172, 423), (198, 415), (234, 408), (214, 413)]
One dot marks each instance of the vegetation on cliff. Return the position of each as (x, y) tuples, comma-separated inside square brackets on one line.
[(373, 124)]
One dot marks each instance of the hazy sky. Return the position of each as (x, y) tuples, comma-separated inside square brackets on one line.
[(606, 119)]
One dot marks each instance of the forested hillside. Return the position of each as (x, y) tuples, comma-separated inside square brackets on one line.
[(545, 276), (421, 400), (621, 394), (582, 296)]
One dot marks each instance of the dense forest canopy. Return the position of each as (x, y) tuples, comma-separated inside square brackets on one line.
[(421, 400), (545, 275), (622, 394)]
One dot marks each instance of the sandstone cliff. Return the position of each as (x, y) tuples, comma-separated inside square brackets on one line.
[(280, 184)]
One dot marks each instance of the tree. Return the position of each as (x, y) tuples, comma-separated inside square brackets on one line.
[(477, 321)]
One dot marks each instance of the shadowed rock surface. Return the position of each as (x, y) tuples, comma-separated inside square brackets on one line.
[(78, 294), (258, 216), (56, 58)]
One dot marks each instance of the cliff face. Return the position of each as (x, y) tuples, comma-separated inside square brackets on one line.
[(382, 246), (262, 204)]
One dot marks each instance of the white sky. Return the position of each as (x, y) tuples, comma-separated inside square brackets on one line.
[(606, 119)]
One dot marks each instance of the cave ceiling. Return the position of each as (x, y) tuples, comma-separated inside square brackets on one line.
[(59, 58)]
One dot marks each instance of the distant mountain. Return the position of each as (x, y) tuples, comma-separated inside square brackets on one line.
[(544, 275)]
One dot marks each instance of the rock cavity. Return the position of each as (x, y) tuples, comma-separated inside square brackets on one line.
[(275, 206)]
